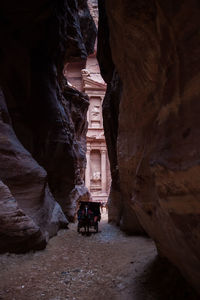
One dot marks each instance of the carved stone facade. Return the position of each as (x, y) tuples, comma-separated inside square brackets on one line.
[(86, 77)]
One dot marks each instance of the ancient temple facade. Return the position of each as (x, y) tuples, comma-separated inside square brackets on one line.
[(86, 77)]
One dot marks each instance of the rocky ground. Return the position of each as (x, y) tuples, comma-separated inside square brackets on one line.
[(107, 265)]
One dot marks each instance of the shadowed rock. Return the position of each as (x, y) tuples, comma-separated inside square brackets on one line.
[(155, 50), (26, 202), (120, 212), (42, 127)]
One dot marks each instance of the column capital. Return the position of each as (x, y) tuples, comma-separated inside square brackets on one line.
[(88, 149), (103, 151)]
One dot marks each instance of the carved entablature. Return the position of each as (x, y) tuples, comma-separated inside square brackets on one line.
[(91, 83)]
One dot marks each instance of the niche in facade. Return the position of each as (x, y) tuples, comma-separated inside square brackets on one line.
[(95, 112), (95, 170)]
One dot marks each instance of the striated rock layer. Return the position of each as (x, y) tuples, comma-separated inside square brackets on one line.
[(42, 120), (155, 49)]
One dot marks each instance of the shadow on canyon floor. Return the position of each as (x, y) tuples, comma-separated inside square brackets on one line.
[(108, 265), (162, 281)]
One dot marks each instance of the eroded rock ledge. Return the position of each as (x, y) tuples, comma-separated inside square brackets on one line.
[(42, 119), (155, 50)]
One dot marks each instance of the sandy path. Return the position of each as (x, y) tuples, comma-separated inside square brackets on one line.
[(107, 265)]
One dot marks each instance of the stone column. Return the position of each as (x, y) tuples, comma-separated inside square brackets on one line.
[(88, 112), (87, 171), (101, 118), (103, 171)]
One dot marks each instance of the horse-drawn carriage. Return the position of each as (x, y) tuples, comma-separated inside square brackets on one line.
[(88, 216)]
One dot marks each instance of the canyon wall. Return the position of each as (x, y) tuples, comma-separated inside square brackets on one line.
[(42, 119), (153, 126)]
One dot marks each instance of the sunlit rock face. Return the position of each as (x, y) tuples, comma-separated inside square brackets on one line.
[(120, 211), (42, 119), (155, 50)]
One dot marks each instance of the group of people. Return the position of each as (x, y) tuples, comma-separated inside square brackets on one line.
[(104, 205)]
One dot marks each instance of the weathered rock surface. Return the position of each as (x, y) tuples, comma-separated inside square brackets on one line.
[(110, 117), (42, 149), (29, 214), (87, 25), (155, 49), (119, 210), (13, 223)]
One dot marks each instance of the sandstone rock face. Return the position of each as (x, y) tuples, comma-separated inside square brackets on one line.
[(110, 117), (29, 214), (119, 211), (42, 119), (17, 228), (93, 7), (88, 21), (155, 49)]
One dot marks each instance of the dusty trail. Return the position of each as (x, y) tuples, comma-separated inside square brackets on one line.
[(107, 265)]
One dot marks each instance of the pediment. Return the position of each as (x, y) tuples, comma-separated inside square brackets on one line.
[(92, 84)]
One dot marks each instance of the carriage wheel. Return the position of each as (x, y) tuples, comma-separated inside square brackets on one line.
[(88, 229), (78, 228)]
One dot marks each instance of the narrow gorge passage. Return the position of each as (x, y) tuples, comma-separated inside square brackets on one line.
[(107, 265), (60, 63)]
